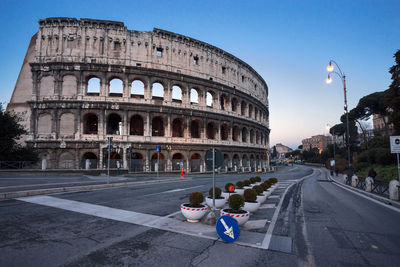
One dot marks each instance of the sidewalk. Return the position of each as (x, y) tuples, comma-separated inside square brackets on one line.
[(381, 198)]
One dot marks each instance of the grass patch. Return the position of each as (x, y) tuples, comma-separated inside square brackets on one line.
[(384, 172)]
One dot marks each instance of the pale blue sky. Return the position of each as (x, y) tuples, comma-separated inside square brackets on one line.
[(289, 43)]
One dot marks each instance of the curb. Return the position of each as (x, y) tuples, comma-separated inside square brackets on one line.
[(56, 190), (384, 200)]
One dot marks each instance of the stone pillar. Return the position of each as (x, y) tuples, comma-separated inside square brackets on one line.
[(125, 161), (147, 90), (127, 124), (126, 91), (100, 157), (168, 128), (103, 86), (368, 184), (78, 126), (148, 126), (169, 161), (354, 180), (394, 190), (186, 128), (147, 164)]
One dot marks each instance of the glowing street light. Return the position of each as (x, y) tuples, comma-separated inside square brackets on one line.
[(341, 75)]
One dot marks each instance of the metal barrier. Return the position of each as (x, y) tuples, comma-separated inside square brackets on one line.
[(137, 165), (14, 165)]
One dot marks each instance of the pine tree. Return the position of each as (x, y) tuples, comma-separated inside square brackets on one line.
[(392, 97)]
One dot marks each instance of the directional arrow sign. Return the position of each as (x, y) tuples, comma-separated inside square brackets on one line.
[(227, 229)]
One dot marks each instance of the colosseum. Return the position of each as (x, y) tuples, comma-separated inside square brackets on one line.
[(83, 81)]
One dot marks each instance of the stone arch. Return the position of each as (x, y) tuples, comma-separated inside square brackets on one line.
[(210, 98), (243, 108), (136, 162), (116, 88), (69, 86), (157, 159), (244, 135), (255, 113), (251, 136), (223, 102), (235, 161), (211, 130), (157, 90), (225, 163), (176, 93), (114, 122), (224, 131), (194, 96), (93, 86), (157, 126), (67, 124), (44, 124), (195, 129), (137, 89), (252, 163), (245, 161), (46, 88), (89, 161), (250, 110), (90, 123), (235, 133), (177, 158), (136, 125), (195, 163), (66, 161), (257, 137), (234, 104), (177, 128)]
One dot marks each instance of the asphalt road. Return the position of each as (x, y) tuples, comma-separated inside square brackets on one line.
[(313, 223)]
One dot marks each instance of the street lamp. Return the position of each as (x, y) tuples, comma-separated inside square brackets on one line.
[(341, 75)]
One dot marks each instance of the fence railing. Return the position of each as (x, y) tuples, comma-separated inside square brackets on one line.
[(19, 165)]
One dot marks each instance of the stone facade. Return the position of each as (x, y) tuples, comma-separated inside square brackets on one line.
[(282, 150), (85, 80)]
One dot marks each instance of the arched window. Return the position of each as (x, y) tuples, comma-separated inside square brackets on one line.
[(255, 113), (257, 137), (252, 136), (195, 163), (116, 88), (210, 130), (157, 126), (250, 111), (136, 162), (244, 135), (177, 128), (195, 129), (235, 133), (137, 90), (176, 94), (90, 124), (136, 125), (209, 99), (243, 108), (93, 87), (224, 131), (114, 124), (194, 96), (157, 91), (244, 161), (234, 104), (177, 159), (89, 161), (235, 161), (222, 101)]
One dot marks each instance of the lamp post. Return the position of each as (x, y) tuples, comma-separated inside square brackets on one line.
[(341, 75)]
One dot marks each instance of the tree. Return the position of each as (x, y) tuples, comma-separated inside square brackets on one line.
[(10, 132), (392, 98), (274, 152)]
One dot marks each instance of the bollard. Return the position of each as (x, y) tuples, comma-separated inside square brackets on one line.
[(44, 164), (368, 184), (354, 180), (394, 190)]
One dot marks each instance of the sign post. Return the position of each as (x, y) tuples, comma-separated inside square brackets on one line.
[(158, 150), (108, 162), (395, 148)]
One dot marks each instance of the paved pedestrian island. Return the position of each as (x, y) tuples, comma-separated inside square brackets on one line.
[(257, 232)]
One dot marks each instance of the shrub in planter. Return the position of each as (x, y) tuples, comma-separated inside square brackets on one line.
[(227, 187), (246, 182), (217, 192), (250, 197), (261, 197), (273, 180), (258, 179), (195, 199), (219, 200), (239, 188), (265, 186), (226, 194), (194, 210), (235, 203), (253, 180), (239, 185), (258, 189)]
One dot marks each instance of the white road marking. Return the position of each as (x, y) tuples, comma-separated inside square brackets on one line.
[(267, 239), (267, 206), (255, 224), (173, 190), (274, 196)]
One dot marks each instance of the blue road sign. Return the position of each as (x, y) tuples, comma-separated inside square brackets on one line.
[(228, 229), (158, 148)]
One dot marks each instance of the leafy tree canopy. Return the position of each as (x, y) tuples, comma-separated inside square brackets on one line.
[(392, 98)]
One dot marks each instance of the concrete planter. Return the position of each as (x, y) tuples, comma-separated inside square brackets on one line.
[(219, 203), (241, 218), (239, 191), (261, 199), (227, 194), (193, 214), (251, 206)]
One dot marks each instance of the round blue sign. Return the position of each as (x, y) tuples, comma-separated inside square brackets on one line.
[(227, 229)]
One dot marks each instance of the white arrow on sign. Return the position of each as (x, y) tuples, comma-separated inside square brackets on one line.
[(229, 231)]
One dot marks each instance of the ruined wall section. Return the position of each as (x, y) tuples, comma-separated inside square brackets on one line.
[(110, 42)]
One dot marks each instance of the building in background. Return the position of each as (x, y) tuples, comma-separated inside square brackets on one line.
[(379, 126), (317, 141), (282, 150)]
